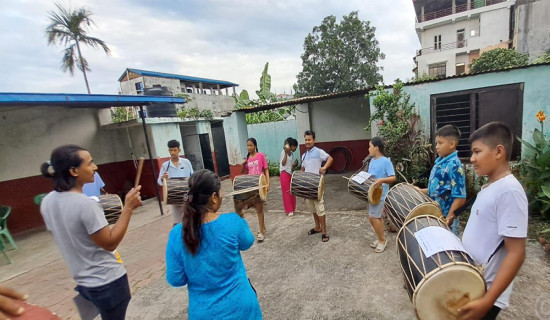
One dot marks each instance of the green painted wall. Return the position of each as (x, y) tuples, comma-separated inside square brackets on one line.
[(271, 136), (536, 93)]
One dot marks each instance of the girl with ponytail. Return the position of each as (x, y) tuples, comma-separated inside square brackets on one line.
[(87, 243), (203, 252), (255, 163)]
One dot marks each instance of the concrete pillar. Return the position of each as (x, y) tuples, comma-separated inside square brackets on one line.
[(468, 4), (194, 89), (200, 88), (421, 14), (453, 8), (234, 92), (219, 90), (236, 134), (226, 92)]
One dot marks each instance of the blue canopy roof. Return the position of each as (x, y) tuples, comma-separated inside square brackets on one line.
[(81, 100), (177, 76)]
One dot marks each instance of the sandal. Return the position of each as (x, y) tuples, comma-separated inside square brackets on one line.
[(325, 238), (374, 244), (260, 237), (313, 231), (381, 247)]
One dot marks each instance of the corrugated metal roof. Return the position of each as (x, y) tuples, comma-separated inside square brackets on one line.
[(356, 92), (177, 76), (80, 100)]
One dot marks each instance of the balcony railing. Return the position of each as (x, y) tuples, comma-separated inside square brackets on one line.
[(443, 47), (474, 4)]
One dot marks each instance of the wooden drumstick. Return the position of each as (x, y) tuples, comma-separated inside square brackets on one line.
[(140, 168), (247, 190)]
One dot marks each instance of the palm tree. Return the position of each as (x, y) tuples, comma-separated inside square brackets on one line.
[(69, 27)]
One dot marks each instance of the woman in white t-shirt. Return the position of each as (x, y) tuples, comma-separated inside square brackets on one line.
[(286, 164), (80, 230)]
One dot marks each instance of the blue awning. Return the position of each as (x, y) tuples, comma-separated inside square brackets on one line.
[(96, 101)]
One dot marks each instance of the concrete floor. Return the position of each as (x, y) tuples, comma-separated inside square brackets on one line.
[(296, 275)]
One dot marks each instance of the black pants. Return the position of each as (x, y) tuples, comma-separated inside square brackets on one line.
[(111, 299), (492, 314)]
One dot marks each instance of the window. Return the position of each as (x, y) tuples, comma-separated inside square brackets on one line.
[(438, 70), (460, 42), (471, 109), (460, 68), (139, 87), (437, 42)]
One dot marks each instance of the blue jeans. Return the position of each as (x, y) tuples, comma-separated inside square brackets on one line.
[(111, 299)]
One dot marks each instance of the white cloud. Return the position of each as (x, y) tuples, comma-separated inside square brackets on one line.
[(227, 40)]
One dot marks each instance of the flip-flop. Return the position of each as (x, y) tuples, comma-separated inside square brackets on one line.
[(313, 231), (325, 238)]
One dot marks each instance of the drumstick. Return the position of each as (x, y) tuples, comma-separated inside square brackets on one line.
[(140, 168), (345, 178)]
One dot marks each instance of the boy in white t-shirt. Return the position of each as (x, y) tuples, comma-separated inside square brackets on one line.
[(312, 161), (496, 232)]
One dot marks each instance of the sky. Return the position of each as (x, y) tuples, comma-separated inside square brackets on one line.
[(226, 40)]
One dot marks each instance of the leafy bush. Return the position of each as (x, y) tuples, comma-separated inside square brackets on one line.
[(407, 146), (535, 170), (120, 114), (498, 59), (273, 168)]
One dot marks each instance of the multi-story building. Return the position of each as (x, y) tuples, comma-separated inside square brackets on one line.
[(454, 32), (202, 93)]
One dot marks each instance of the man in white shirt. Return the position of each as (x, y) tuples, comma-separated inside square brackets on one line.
[(176, 167)]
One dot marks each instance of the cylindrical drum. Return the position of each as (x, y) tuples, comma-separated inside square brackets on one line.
[(112, 207), (307, 185), (174, 190), (250, 181), (404, 202), (364, 191), (439, 284)]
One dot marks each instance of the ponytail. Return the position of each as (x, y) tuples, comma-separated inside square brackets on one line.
[(202, 184)]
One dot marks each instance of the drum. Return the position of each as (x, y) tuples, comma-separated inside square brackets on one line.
[(404, 202), (307, 185), (440, 284), (364, 191), (174, 190), (250, 181), (112, 207)]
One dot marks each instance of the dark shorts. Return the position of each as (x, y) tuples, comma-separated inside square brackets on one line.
[(111, 299)]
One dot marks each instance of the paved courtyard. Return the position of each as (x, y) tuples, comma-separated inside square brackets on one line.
[(296, 275)]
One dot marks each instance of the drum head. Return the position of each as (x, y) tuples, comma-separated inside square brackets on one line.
[(428, 209), (164, 192), (263, 191), (321, 190), (441, 294), (375, 194)]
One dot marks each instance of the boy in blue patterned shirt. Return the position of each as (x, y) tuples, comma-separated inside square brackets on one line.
[(447, 184)]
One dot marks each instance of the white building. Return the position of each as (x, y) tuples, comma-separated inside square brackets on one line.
[(202, 93), (454, 32)]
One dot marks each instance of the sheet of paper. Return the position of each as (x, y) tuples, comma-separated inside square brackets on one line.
[(361, 177), (86, 309), (435, 239)]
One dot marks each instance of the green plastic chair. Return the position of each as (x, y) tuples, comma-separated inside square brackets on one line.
[(4, 214), (38, 198), (3, 249)]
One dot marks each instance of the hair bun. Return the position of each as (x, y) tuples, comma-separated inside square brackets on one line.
[(47, 169)]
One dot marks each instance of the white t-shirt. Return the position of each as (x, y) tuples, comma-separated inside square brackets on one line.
[(72, 217), (313, 159), (289, 160), (499, 211)]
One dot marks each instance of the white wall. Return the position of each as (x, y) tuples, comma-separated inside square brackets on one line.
[(340, 119), (29, 135)]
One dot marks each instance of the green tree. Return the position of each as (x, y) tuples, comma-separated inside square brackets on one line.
[(397, 124), (70, 28), (339, 56), (498, 59)]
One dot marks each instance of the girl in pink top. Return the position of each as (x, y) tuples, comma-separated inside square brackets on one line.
[(255, 163)]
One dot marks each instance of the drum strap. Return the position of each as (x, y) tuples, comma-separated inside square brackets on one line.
[(500, 245)]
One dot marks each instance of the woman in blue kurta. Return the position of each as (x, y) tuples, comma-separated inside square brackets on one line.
[(203, 253)]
